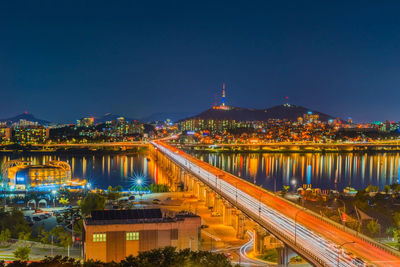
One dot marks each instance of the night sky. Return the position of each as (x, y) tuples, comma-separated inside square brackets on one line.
[(62, 60)]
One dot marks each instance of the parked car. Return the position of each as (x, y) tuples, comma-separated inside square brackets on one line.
[(36, 218), (359, 262), (156, 201), (215, 214), (229, 255)]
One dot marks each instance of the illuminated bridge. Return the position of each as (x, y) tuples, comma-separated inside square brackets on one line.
[(319, 240), (93, 145), (288, 146), (300, 146)]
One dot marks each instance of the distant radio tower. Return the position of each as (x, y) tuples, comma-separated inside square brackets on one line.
[(223, 94)]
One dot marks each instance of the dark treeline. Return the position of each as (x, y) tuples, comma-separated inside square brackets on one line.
[(166, 257)]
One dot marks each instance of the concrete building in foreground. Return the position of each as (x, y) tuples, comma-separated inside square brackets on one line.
[(112, 235)]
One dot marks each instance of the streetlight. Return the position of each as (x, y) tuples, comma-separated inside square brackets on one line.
[(54, 192), (259, 207), (295, 225), (345, 243), (344, 204), (294, 183), (236, 191)]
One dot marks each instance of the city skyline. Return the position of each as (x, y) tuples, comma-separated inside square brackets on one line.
[(68, 60)]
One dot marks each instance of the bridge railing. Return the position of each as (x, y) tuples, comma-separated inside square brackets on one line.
[(288, 239), (325, 219), (329, 221)]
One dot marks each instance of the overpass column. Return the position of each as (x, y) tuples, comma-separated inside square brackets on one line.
[(191, 183), (196, 189), (208, 198), (212, 200), (259, 240), (283, 255), (219, 205), (227, 214), (239, 224), (202, 192)]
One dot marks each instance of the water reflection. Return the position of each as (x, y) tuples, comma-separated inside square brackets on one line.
[(332, 170), (101, 171)]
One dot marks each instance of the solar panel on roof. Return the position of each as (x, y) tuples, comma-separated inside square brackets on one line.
[(126, 214)]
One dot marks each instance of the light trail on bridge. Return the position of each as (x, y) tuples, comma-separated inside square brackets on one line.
[(314, 238)]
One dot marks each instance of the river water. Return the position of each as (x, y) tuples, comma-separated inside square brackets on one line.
[(271, 170), (325, 171), (100, 170)]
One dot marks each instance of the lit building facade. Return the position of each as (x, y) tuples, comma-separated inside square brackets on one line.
[(112, 235), (5, 133), (310, 117), (30, 134), (85, 122), (196, 124), (22, 175)]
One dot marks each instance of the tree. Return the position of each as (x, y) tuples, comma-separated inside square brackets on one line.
[(373, 227), (22, 253), (60, 261), (92, 202), (396, 236), (286, 188), (44, 236), (113, 193), (396, 219), (371, 188), (387, 189), (5, 235), (64, 201), (63, 237), (15, 222), (159, 188), (24, 236)]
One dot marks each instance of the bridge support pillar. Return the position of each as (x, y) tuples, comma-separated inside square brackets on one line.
[(202, 192), (208, 198), (219, 205), (227, 214), (191, 183), (283, 255), (196, 189), (239, 224), (259, 240)]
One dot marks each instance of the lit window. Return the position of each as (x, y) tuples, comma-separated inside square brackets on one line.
[(99, 237), (131, 236)]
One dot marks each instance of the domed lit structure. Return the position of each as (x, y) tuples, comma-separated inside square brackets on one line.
[(22, 175)]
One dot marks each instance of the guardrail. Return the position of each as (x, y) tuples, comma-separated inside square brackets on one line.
[(289, 240), (325, 219)]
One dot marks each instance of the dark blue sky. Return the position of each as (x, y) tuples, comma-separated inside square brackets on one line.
[(62, 60)]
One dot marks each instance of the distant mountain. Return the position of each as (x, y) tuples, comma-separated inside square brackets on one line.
[(27, 117), (110, 117), (163, 116), (289, 112)]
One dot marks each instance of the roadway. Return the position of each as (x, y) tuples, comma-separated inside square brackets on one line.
[(103, 144), (313, 238)]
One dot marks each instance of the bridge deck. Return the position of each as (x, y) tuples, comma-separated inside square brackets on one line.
[(315, 235)]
